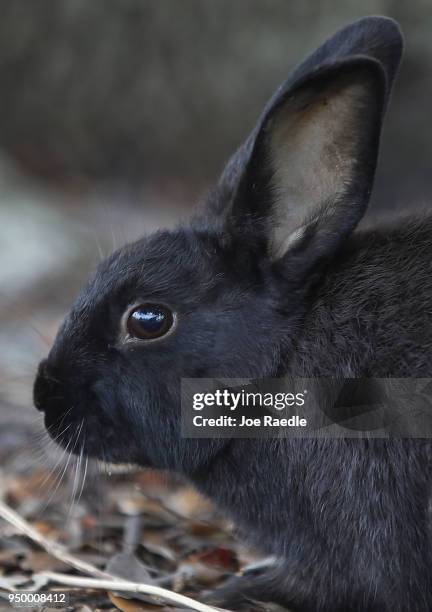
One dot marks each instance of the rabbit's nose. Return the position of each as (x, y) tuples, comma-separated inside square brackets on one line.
[(46, 387)]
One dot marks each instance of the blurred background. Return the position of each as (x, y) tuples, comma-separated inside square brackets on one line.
[(116, 116)]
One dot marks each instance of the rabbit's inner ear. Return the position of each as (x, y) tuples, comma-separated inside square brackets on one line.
[(312, 143)]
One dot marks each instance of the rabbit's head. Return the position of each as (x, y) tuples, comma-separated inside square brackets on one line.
[(225, 296)]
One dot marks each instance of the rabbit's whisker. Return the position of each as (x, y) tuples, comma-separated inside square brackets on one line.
[(76, 437), (83, 480), (76, 480)]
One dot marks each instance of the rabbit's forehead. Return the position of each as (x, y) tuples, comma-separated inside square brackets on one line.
[(166, 264), (162, 258)]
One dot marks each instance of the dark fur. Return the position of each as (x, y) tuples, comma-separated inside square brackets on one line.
[(347, 519)]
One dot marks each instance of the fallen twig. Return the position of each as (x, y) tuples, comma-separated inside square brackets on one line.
[(6, 586), (104, 581), (53, 548), (129, 587)]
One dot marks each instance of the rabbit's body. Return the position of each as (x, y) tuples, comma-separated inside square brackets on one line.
[(275, 280), (371, 314), (348, 519)]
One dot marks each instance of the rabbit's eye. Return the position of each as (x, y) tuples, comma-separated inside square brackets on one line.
[(149, 321)]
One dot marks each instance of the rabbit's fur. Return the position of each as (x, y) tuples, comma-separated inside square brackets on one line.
[(273, 279)]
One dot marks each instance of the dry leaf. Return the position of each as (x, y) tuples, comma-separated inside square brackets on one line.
[(133, 605)]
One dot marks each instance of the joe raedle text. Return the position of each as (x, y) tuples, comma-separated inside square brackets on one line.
[(265, 421)]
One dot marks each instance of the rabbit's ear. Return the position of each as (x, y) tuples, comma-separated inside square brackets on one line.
[(304, 177)]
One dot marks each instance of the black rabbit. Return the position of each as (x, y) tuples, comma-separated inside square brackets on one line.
[(274, 280)]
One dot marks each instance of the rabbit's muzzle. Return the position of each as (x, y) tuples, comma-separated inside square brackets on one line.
[(51, 396), (47, 388)]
